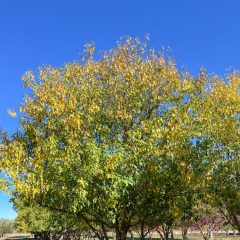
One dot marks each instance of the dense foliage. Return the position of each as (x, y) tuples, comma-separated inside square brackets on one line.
[(124, 142)]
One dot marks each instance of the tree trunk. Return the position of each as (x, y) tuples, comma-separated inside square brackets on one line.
[(121, 234), (172, 236), (166, 235), (142, 236), (184, 233), (210, 233), (166, 232)]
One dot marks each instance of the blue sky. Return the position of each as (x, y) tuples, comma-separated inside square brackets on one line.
[(33, 33)]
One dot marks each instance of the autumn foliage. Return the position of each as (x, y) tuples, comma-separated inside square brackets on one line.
[(125, 140)]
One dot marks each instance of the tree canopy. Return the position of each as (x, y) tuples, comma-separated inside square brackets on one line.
[(124, 138)]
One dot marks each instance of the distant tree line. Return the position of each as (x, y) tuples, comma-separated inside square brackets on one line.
[(6, 226)]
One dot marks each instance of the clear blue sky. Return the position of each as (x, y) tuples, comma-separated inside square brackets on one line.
[(32, 33)]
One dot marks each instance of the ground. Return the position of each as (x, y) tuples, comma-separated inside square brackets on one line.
[(20, 236)]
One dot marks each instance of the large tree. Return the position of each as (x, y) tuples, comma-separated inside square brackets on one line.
[(117, 141)]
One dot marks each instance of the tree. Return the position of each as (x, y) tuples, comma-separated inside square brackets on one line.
[(225, 189), (45, 224), (6, 225), (224, 178), (120, 140)]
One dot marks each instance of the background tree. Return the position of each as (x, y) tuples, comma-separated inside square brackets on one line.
[(45, 224), (6, 226)]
